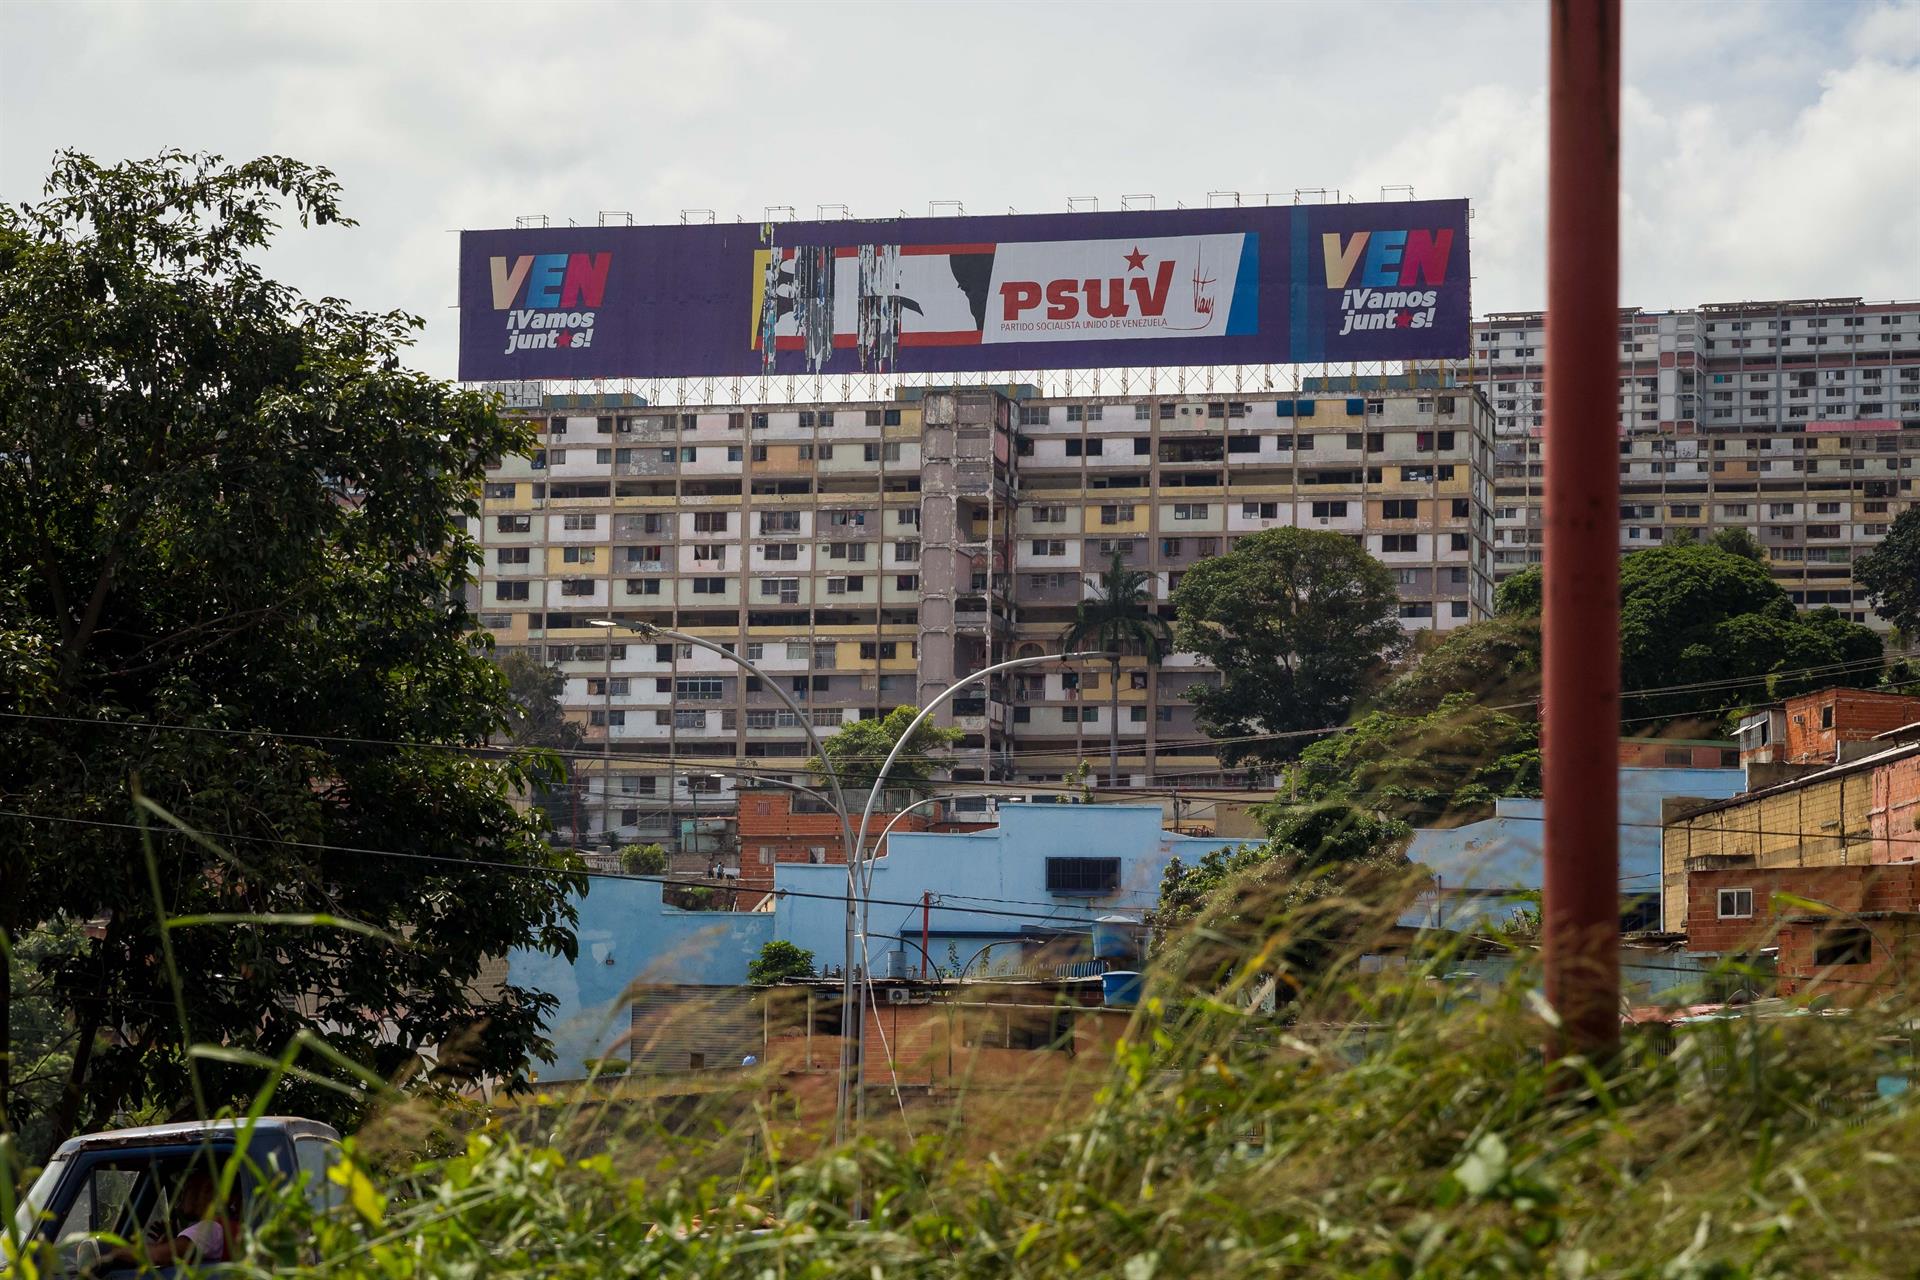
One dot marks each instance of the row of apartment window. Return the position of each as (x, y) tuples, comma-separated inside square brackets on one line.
[(1143, 446), (1042, 415), (623, 424), (691, 453), (709, 521), (782, 590)]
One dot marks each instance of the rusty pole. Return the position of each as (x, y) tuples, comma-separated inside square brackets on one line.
[(1581, 899)]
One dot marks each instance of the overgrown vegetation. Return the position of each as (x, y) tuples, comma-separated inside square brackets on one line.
[(233, 555), (859, 748), (779, 960), (644, 859), (1300, 623), (1385, 1126)]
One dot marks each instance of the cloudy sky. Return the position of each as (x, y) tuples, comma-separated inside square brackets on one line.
[(1772, 149)]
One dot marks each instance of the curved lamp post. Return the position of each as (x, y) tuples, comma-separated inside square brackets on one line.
[(857, 930), (997, 942), (648, 630)]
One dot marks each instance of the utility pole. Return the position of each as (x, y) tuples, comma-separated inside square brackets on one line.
[(1580, 927), (673, 741), (926, 910), (606, 743)]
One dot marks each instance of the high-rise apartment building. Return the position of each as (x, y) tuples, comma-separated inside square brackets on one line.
[(1799, 421), (866, 555)]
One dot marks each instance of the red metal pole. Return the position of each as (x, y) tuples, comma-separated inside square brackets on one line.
[(1581, 899)]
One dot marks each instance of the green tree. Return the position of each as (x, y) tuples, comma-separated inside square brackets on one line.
[(860, 748), (779, 960), (1891, 574), (1522, 592), (1736, 540), (537, 722), (1714, 620), (1118, 621), (1442, 767), (1299, 624), (644, 859), (1714, 623), (1497, 660), (233, 559), (43, 1037), (1446, 737)]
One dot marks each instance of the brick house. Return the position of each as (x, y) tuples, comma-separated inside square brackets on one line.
[(784, 826), (1840, 929), (1865, 812), (1819, 725)]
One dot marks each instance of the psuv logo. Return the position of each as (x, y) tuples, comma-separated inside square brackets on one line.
[(1386, 263), (549, 298)]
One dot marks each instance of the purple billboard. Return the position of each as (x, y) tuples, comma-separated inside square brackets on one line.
[(1293, 284)]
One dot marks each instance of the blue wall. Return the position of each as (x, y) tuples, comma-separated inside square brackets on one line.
[(628, 935), (1504, 852), (972, 874)]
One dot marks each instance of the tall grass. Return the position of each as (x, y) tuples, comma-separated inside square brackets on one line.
[(1375, 1124)]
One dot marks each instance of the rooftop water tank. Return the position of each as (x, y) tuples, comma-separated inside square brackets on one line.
[(1117, 938), (1121, 988)]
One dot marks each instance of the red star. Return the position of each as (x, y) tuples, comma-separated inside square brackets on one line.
[(566, 339), (1404, 320), (1136, 261)]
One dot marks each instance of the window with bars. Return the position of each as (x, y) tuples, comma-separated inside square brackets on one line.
[(1083, 876)]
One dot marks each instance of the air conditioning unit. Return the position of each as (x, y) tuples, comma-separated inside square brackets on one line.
[(898, 995)]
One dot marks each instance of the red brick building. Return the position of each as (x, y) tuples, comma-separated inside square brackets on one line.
[(1678, 753), (784, 826), (1819, 724), (1843, 930)]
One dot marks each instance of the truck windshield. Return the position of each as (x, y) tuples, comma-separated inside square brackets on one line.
[(26, 1218)]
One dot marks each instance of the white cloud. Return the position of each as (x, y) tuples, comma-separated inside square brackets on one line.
[(1769, 146)]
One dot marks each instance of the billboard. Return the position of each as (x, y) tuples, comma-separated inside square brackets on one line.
[(1291, 284)]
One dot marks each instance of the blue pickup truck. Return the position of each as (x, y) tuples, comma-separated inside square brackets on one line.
[(124, 1183)]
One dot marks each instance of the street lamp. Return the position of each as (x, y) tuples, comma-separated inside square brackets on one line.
[(997, 942), (865, 882), (649, 630)]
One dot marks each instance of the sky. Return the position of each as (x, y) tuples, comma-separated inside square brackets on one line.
[(1770, 149)]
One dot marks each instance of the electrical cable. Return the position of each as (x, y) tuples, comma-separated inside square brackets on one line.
[(481, 864), (1854, 665)]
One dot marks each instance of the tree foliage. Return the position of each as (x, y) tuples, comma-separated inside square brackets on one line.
[(1441, 767), (537, 722), (644, 859), (1520, 593), (1713, 622), (1326, 874), (1739, 541), (1118, 620), (1299, 623), (860, 748), (233, 558), (779, 960), (1891, 574), (1702, 616), (1496, 660)]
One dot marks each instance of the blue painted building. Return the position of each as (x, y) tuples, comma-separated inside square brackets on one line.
[(1046, 869), (1485, 870), (627, 936)]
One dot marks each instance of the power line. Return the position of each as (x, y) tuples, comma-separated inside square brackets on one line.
[(545, 873), (508, 749), (1854, 665)]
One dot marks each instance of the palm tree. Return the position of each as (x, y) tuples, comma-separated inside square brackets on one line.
[(1120, 619)]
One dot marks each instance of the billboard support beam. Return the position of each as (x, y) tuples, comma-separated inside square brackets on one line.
[(1580, 903)]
